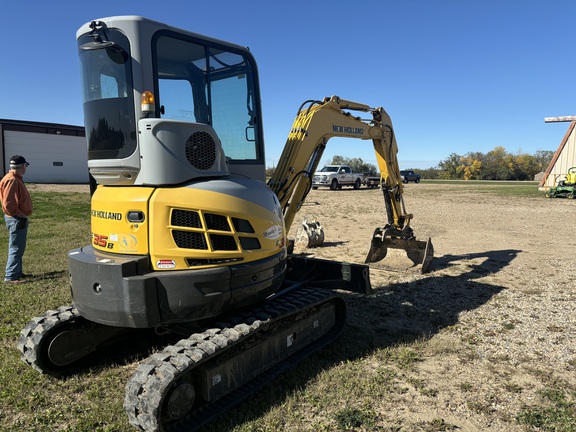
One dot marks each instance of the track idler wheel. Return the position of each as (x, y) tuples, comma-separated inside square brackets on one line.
[(309, 234), (179, 402), (419, 252)]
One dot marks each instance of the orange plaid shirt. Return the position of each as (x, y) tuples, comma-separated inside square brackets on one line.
[(15, 197)]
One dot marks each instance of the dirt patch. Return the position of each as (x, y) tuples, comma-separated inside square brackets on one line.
[(495, 315), (58, 187)]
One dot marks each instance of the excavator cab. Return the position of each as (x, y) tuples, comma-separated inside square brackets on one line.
[(147, 87)]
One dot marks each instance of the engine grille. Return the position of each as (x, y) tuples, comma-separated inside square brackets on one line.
[(242, 225), (198, 233), (189, 239), (201, 150), (217, 222), (193, 262), (250, 243), (185, 218), (223, 242)]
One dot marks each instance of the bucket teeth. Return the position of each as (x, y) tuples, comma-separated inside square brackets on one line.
[(419, 252), (310, 234)]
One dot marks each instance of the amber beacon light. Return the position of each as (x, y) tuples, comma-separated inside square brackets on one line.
[(148, 104)]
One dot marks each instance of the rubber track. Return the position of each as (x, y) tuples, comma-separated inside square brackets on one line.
[(33, 336), (146, 389)]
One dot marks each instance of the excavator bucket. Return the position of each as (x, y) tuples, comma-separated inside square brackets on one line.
[(309, 234), (418, 251)]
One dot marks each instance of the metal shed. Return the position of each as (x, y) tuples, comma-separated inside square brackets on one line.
[(57, 153), (565, 156)]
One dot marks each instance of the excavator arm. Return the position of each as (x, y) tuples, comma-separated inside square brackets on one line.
[(315, 124)]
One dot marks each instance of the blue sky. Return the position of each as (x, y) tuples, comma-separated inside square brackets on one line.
[(455, 76)]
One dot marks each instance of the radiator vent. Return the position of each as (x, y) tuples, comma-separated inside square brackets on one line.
[(223, 242), (189, 240), (242, 225), (217, 222), (250, 243), (198, 233), (186, 218), (193, 262)]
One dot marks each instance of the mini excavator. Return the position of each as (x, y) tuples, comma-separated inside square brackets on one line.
[(187, 237)]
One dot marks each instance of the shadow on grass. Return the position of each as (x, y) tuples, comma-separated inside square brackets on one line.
[(395, 314), (33, 277)]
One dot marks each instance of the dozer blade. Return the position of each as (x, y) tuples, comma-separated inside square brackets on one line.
[(419, 252)]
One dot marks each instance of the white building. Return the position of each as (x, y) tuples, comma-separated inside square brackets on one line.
[(57, 153)]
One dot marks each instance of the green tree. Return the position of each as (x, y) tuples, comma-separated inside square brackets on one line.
[(430, 173), (356, 164), (526, 167), (450, 166), (543, 158), (470, 167), (497, 165)]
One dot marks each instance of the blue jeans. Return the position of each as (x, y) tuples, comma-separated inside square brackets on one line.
[(16, 247)]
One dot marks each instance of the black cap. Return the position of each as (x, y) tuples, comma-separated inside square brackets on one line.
[(18, 160)]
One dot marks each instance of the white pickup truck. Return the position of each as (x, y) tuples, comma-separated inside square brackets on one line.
[(336, 176)]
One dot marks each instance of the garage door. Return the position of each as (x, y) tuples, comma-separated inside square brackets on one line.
[(52, 158)]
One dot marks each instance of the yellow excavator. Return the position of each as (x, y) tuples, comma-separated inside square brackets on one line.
[(187, 237)]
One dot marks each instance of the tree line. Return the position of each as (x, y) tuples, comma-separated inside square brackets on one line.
[(497, 164)]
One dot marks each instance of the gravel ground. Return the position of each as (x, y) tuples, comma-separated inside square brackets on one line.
[(495, 313)]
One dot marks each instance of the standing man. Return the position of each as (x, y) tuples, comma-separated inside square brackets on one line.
[(17, 206)]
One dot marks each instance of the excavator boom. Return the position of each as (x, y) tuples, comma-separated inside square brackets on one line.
[(317, 122)]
